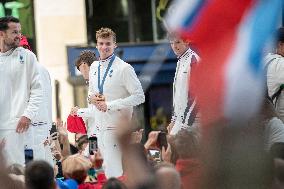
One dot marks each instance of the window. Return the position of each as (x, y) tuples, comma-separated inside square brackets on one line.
[(133, 20)]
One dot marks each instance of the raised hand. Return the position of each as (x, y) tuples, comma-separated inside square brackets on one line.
[(62, 129), (74, 111), (151, 143)]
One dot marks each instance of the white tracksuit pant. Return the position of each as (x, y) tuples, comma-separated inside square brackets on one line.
[(110, 151)]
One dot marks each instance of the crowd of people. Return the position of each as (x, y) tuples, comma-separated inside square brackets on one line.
[(108, 152)]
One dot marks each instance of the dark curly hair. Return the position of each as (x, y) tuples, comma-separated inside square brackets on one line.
[(87, 57)]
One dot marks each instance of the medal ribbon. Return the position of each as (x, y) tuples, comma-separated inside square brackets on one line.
[(101, 85)]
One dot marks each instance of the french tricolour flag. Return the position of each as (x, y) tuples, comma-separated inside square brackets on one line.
[(230, 36)]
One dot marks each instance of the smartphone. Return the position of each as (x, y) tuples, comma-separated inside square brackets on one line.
[(29, 155), (93, 144), (155, 155), (162, 140), (53, 128)]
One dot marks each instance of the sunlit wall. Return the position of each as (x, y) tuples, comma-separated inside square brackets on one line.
[(58, 24)]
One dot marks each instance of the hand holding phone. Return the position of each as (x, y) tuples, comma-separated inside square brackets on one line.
[(53, 128), (93, 144)]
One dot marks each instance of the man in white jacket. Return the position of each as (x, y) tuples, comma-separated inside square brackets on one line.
[(41, 125), (275, 73), (115, 89), (21, 91), (184, 103), (83, 64)]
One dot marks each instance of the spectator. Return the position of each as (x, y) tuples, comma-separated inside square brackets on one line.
[(76, 167), (82, 144), (16, 169), (275, 73), (168, 177), (18, 181), (114, 183), (39, 175), (184, 151), (135, 165)]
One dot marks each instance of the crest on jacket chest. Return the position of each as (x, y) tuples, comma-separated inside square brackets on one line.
[(21, 59)]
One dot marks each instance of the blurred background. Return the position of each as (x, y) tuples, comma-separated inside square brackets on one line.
[(59, 30)]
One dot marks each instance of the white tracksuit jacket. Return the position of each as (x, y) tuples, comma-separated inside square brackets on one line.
[(41, 125), (20, 95), (88, 117), (122, 91), (184, 106), (275, 77)]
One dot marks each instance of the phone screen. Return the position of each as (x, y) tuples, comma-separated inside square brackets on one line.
[(93, 144), (155, 155), (29, 155)]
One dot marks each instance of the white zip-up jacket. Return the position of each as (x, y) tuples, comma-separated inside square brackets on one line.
[(42, 123), (45, 111), (122, 91), (89, 119), (275, 78), (21, 89), (184, 106)]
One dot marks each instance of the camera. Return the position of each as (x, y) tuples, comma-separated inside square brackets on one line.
[(162, 140), (93, 144)]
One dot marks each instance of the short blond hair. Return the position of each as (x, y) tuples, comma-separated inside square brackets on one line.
[(105, 33)]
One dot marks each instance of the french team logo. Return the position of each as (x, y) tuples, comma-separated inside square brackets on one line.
[(22, 59)]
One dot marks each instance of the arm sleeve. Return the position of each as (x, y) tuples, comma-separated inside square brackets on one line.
[(36, 92), (133, 86), (279, 70), (91, 80), (173, 119), (86, 112)]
